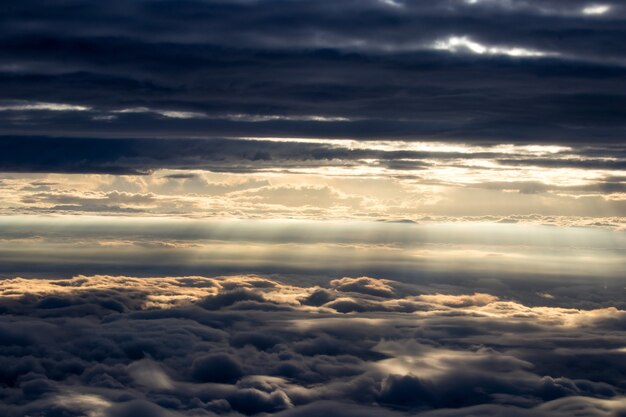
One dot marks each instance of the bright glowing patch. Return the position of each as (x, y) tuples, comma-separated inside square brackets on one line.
[(392, 3), (596, 9), (182, 114), (271, 117), (41, 106), (456, 44), (172, 114)]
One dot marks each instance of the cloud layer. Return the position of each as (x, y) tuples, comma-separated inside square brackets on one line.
[(243, 345), (521, 101), (486, 257), (455, 69), (290, 208), (314, 179)]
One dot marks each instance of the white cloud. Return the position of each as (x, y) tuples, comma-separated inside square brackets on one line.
[(270, 117), (172, 114), (181, 114), (392, 3), (596, 9), (178, 114), (456, 44), (38, 106)]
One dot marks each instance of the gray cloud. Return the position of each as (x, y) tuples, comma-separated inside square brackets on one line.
[(97, 345), (366, 69), (77, 155)]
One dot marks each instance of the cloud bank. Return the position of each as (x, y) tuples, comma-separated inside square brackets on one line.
[(247, 345), (463, 70)]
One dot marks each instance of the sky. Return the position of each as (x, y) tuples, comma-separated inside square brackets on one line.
[(302, 208)]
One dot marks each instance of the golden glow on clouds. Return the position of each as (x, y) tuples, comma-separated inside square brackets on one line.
[(170, 292), (91, 404), (159, 292), (436, 340), (431, 146), (434, 181)]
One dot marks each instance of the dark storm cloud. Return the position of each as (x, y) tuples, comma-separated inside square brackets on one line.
[(79, 155), (96, 346), (262, 68), (140, 156)]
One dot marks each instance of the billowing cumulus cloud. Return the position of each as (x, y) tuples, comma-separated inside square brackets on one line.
[(245, 345)]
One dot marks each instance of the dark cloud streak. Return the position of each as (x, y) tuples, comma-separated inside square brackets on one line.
[(118, 156), (368, 62)]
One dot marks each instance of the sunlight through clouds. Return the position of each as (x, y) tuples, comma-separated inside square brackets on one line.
[(361, 208)]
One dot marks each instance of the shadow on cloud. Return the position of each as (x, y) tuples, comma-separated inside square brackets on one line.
[(247, 345)]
